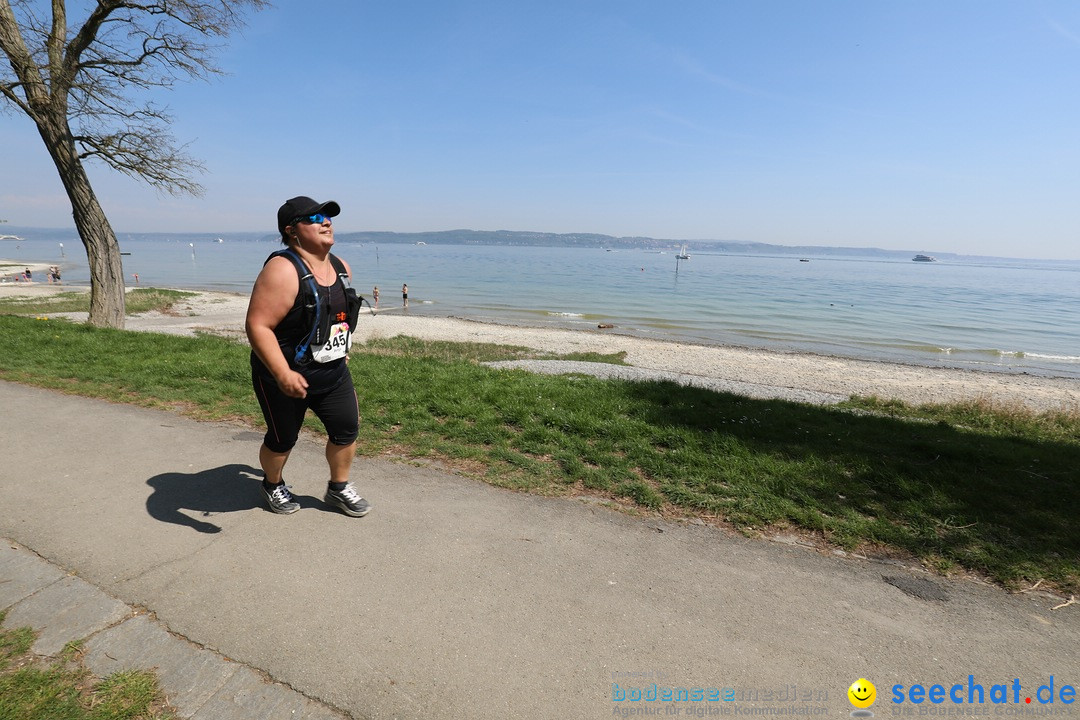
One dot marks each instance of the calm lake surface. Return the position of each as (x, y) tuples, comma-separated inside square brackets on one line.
[(1004, 315)]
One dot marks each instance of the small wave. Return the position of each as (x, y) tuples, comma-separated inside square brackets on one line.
[(915, 347), (1055, 358), (995, 353), (986, 352), (962, 352), (958, 351), (1009, 354), (564, 314)]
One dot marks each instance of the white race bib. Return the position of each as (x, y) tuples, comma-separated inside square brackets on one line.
[(337, 345)]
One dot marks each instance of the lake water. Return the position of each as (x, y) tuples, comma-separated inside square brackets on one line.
[(1004, 315)]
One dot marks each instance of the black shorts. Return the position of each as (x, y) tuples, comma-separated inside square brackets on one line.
[(284, 415)]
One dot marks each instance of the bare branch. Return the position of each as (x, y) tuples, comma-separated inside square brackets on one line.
[(58, 34), (121, 45), (22, 63), (8, 91), (63, 72), (144, 154)]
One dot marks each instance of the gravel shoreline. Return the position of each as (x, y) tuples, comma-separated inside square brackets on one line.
[(754, 373)]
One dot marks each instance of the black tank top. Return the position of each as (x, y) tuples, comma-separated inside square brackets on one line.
[(295, 328)]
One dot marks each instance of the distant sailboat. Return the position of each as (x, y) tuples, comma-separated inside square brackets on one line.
[(683, 255)]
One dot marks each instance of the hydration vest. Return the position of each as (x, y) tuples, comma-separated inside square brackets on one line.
[(315, 306)]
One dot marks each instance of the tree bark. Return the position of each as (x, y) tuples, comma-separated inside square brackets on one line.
[(102, 249)]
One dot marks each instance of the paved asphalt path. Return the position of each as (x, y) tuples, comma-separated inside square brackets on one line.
[(453, 599)]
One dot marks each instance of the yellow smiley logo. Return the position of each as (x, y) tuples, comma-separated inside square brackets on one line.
[(862, 693)]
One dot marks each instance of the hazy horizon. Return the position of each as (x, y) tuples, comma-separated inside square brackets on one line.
[(703, 247)]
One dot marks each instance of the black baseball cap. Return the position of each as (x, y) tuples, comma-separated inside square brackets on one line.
[(301, 206)]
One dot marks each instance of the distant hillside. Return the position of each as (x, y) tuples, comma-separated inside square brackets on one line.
[(518, 237), (510, 237), (507, 237)]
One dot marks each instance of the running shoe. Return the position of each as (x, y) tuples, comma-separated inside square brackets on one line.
[(280, 499), (348, 501)]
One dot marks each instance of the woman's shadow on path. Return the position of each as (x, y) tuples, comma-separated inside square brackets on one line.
[(229, 488)]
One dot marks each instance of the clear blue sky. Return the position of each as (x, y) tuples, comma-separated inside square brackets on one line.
[(940, 125)]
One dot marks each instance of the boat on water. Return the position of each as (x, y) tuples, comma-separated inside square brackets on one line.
[(683, 255), (924, 258)]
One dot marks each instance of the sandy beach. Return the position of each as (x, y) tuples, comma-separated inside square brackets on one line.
[(757, 373), (10, 269)]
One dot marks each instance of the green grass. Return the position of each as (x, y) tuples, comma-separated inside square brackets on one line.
[(970, 487), (36, 688), (407, 347), (136, 301)]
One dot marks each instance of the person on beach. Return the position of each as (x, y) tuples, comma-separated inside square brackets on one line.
[(375, 294), (404, 295), (298, 323)]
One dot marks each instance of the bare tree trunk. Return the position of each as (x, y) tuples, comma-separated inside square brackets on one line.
[(102, 250)]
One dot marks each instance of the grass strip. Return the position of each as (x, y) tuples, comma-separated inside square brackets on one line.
[(36, 688), (959, 487), (136, 301)]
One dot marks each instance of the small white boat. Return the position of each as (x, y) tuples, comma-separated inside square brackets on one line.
[(924, 258), (683, 255)]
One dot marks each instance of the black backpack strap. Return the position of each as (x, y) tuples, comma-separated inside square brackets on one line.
[(353, 301), (307, 283), (339, 268)]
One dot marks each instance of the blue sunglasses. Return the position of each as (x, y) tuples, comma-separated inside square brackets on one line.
[(317, 219)]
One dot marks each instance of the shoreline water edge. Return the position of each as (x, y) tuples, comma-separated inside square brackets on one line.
[(748, 371), (976, 313)]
